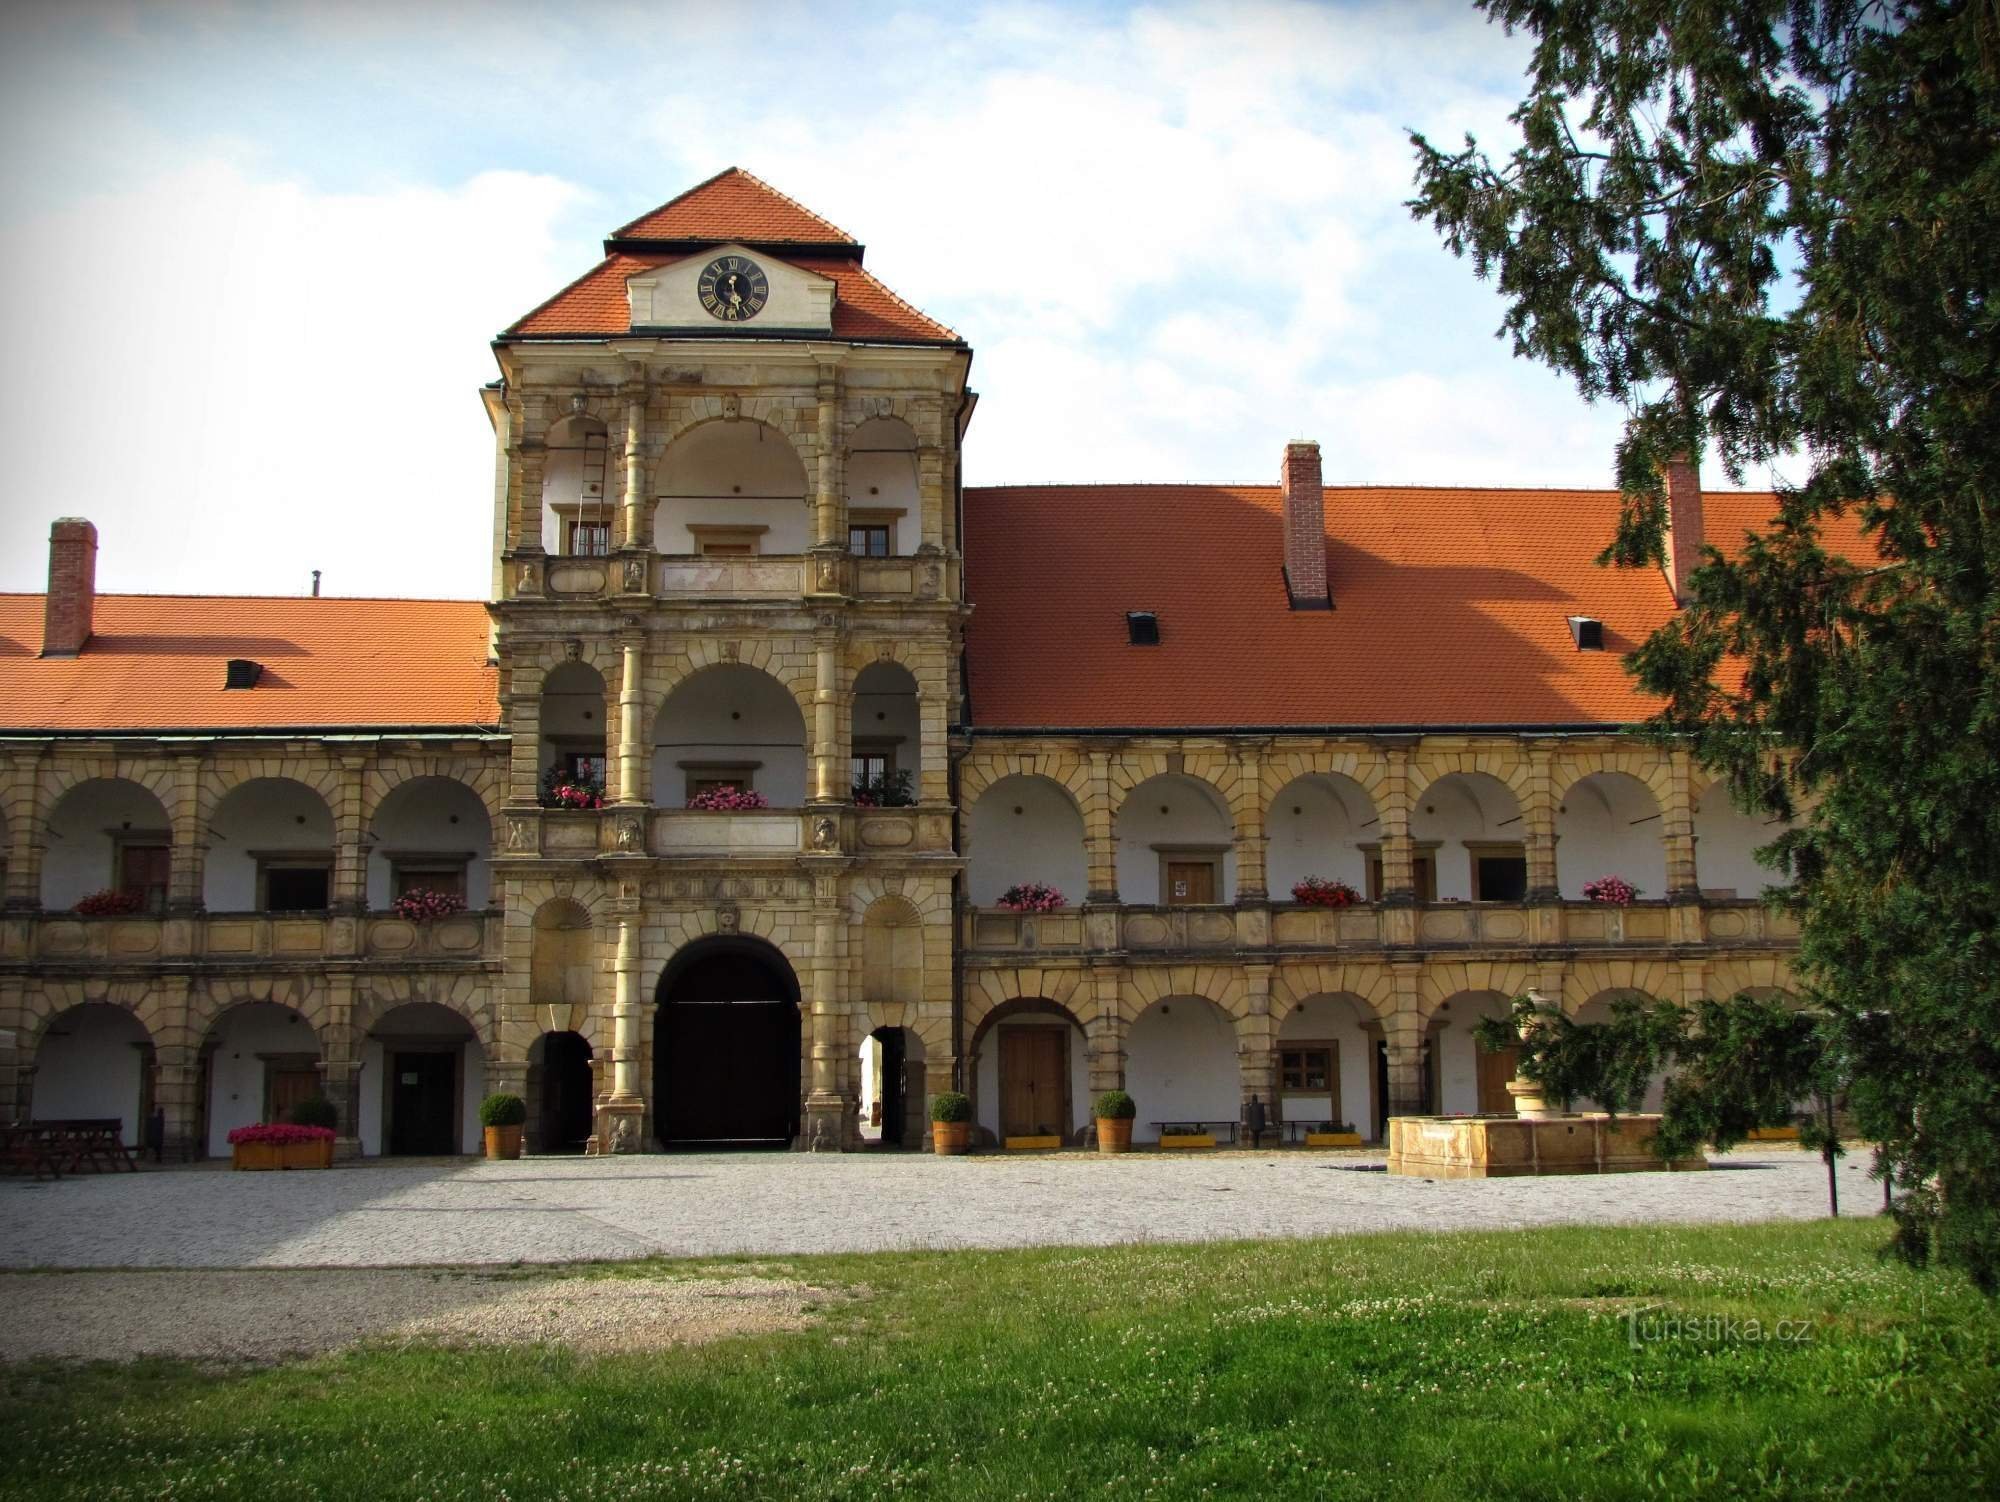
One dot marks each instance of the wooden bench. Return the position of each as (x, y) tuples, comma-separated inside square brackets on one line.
[(1224, 1131), (97, 1142), (25, 1149)]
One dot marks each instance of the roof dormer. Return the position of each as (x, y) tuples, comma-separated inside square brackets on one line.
[(730, 289)]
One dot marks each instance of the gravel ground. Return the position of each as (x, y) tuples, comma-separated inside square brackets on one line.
[(266, 1316), (462, 1213)]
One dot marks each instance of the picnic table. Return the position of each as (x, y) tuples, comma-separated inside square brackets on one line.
[(48, 1149)]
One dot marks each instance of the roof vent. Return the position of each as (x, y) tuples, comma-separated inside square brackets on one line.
[(1144, 627), (1589, 633), (243, 673)]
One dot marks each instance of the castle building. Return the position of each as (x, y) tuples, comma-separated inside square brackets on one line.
[(725, 821)]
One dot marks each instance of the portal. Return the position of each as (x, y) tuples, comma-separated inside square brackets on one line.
[(726, 1060)]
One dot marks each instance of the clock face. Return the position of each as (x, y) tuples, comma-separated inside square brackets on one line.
[(733, 288)]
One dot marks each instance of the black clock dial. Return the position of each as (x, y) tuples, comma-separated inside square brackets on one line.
[(733, 288)]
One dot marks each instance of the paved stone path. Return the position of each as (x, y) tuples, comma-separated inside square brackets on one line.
[(466, 1212)]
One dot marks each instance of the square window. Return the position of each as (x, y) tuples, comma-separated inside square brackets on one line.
[(589, 539), (868, 541), (297, 889)]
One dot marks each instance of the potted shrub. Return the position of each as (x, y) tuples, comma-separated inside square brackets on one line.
[(1319, 891), (951, 1122), (892, 791), (1115, 1110), (562, 790), (280, 1144), (502, 1116), (314, 1111), (1333, 1134), (1031, 897)]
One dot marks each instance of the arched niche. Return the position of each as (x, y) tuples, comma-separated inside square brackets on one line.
[(258, 1061), (886, 736), (94, 1062), (430, 832), (423, 1074), (731, 487), (270, 850), (581, 487), (572, 722), (883, 519), (1726, 842), (1608, 824), (1030, 1071), (1180, 1065), (1468, 831), (107, 833), (892, 953), (1326, 1063), (561, 962), (730, 725), (1316, 826), (1025, 828), (1175, 844), (1463, 1079)]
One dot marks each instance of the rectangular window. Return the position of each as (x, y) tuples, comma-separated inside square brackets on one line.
[(142, 870), (1305, 1071), (297, 887), (436, 876), (583, 766), (1423, 868), (874, 766), (1499, 877), (717, 781), (721, 540), (589, 539), (868, 541)]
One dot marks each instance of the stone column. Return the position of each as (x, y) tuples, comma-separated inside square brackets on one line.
[(1403, 1032), (1399, 875), (633, 763), (829, 786), (524, 727), (618, 1122), (826, 1109), (341, 1071), (1677, 827), (1104, 1036), (1099, 839), (188, 856), (1538, 821), (829, 532), (1256, 1052), (27, 823), (636, 532), (350, 847), (933, 496), (176, 1081), (13, 1052), (529, 463), (933, 781), (1250, 842)]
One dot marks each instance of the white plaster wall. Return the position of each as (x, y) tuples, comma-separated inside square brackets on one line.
[(1180, 1065), (731, 714), (885, 708), (739, 473), (1311, 830), (669, 296), (270, 814), (986, 1070), (1725, 844), (1458, 1051), (1194, 816), (882, 476), (1025, 829), (91, 1065), (1458, 808), (563, 484), (1338, 1020), (79, 860), (435, 814), (236, 1072), (1608, 825), (422, 1019)]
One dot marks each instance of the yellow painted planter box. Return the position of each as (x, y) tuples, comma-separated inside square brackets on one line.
[(1032, 1144), (1774, 1134), (270, 1155), (1188, 1139), (1333, 1139)]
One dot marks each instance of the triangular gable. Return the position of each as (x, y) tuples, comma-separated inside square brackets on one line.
[(733, 206)]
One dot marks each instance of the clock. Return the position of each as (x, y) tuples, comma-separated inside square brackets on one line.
[(733, 288)]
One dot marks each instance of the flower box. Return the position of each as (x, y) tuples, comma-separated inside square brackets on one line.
[(261, 1155), (1047, 1144), (1187, 1139), (1774, 1134), (1333, 1139)]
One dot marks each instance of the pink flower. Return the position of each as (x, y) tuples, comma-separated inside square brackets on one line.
[(728, 800), (1613, 891), (280, 1132), (1317, 891), (1032, 897), (425, 904)]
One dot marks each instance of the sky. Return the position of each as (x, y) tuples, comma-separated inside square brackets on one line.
[(252, 256)]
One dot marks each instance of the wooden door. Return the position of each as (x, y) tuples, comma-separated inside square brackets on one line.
[(1033, 1090), (286, 1089), (1190, 882), (1495, 1069), (142, 870), (422, 1103)]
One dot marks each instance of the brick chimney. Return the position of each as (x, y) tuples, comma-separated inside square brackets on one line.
[(72, 597), (1684, 534), (1305, 528)]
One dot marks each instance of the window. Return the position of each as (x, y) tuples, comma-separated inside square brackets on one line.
[(582, 766), (1305, 1071), (431, 873), (1423, 869), (1143, 628), (1499, 873), (294, 884), (874, 766), (868, 542), (587, 539), (712, 777), (718, 541), (143, 866)]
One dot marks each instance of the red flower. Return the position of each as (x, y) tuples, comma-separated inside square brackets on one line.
[(279, 1132)]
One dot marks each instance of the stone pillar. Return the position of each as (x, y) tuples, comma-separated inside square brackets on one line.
[(632, 759), (829, 530), (826, 1107), (529, 463), (933, 496), (829, 785), (1104, 1036), (13, 1052), (1250, 842), (1256, 1052), (619, 1119), (1677, 827), (188, 856), (1099, 837), (524, 726), (933, 781), (1403, 1032), (27, 822), (636, 531), (1399, 875), (176, 1080), (1538, 821), (341, 1071), (350, 847)]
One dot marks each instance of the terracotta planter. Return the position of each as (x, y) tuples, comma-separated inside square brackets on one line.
[(1114, 1134), (951, 1137), (503, 1142), (263, 1155)]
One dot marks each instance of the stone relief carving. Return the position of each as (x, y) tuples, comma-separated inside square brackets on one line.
[(635, 576), (631, 835), (727, 918), (573, 650), (520, 834), (528, 580), (826, 834), (732, 407)]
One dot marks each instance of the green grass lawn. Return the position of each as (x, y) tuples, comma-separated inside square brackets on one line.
[(1449, 1366)]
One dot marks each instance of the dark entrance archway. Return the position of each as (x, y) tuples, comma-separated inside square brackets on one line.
[(726, 1047), (560, 1069)]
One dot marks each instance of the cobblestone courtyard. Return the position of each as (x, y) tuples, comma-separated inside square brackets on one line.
[(467, 1212)]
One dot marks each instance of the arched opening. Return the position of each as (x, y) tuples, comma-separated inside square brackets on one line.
[(1025, 829), (1316, 827), (561, 961), (572, 730), (579, 491), (258, 1061), (1726, 842), (107, 835), (1175, 844), (428, 1076), (270, 850), (1466, 828), (1462, 1078), (1597, 1011), (892, 1089), (727, 1063), (886, 740), (732, 489), (1180, 1066), (561, 1094), (95, 1062), (1326, 1049), (1030, 1071), (882, 515), (730, 727), (1608, 824), (431, 833)]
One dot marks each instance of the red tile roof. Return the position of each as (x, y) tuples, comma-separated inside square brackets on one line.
[(733, 205), (1451, 607), (156, 663)]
